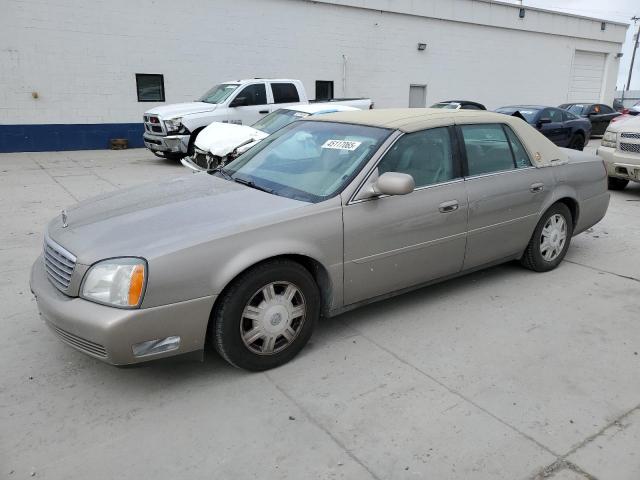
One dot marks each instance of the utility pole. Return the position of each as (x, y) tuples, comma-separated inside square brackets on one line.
[(633, 56)]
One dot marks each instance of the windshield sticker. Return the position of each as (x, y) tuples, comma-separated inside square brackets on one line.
[(341, 145)]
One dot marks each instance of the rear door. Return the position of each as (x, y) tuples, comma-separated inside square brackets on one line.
[(557, 130), (505, 193), (600, 116), (249, 105), (395, 242), (284, 94)]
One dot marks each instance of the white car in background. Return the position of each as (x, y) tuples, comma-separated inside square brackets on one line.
[(219, 143), (620, 150)]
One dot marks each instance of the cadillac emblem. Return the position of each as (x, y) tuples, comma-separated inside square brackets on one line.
[(64, 219)]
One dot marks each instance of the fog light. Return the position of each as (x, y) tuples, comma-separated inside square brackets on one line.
[(155, 346)]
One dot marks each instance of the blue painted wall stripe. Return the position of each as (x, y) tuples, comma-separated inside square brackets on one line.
[(52, 137)]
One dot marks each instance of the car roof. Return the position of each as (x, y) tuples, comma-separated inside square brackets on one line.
[(530, 107), (409, 119), (463, 102)]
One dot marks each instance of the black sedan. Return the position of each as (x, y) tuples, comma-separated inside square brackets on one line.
[(459, 105), (560, 126), (597, 113)]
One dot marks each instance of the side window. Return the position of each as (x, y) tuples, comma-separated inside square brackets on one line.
[(487, 149), (553, 113), (255, 94), (569, 116), (425, 155), (284, 93), (519, 153), (605, 109)]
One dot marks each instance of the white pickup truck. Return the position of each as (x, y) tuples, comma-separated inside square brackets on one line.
[(171, 130)]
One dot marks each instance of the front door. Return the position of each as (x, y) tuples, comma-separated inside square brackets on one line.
[(505, 192), (249, 105), (395, 242)]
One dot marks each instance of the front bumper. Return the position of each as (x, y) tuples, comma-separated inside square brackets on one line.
[(109, 333), (620, 164), (166, 144)]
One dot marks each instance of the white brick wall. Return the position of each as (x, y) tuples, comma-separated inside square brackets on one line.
[(81, 57)]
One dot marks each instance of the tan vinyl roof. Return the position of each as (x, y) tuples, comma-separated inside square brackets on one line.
[(410, 119)]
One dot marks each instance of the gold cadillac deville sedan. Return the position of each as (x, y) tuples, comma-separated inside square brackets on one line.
[(326, 214)]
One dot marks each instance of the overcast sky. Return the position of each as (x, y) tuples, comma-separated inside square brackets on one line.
[(618, 10)]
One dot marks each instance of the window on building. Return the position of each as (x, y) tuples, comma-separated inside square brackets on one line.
[(252, 94), (150, 87), (284, 93), (324, 90), (425, 155)]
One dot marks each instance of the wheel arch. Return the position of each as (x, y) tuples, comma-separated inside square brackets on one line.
[(573, 207), (317, 270)]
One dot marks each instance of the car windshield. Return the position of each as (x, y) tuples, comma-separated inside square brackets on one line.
[(529, 114), (450, 105), (219, 93), (308, 161), (278, 119), (577, 109)]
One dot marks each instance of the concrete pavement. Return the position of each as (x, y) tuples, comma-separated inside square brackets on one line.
[(502, 374)]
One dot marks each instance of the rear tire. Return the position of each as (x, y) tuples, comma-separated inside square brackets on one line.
[(615, 183), (577, 142), (550, 240), (266, 315)]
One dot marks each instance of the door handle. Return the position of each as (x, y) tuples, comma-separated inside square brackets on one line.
[(537, 187), (263, 111), (448, 207)]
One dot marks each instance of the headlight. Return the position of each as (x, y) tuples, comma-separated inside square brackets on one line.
[(118, 282), (173, 125), (609, 139)]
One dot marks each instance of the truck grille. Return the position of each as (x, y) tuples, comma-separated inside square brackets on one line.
[(630, 147), (153, 124), (80, 343), (59, 264), (630, 135)]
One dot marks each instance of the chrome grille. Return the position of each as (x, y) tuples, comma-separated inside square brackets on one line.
[(630, 135), (630, 147), (80, 343), (59, 264), (152, 123)]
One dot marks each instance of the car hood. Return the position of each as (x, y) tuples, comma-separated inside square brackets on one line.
[(221, 139), (157, 218), (180, 109), (632, 124)]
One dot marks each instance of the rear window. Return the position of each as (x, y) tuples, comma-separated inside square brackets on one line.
[(284, 93)]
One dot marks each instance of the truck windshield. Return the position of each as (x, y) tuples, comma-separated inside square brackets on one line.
[(278, 119), (308, 161), (219, 93)]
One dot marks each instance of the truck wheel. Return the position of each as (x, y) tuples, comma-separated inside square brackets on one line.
[(550, 240), (577, 142), (617, 183), (265, 317)]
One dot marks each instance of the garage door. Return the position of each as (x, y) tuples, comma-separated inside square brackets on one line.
[(587, 73)]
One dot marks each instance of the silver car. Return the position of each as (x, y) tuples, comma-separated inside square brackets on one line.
[(323, 216)]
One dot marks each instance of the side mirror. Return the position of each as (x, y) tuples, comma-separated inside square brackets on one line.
[(392, 183), (543, 121), (239, 102)]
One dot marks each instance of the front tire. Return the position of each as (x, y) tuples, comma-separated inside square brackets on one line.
[(266, 315), (615, 183), (577, 142), (550, 240)]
